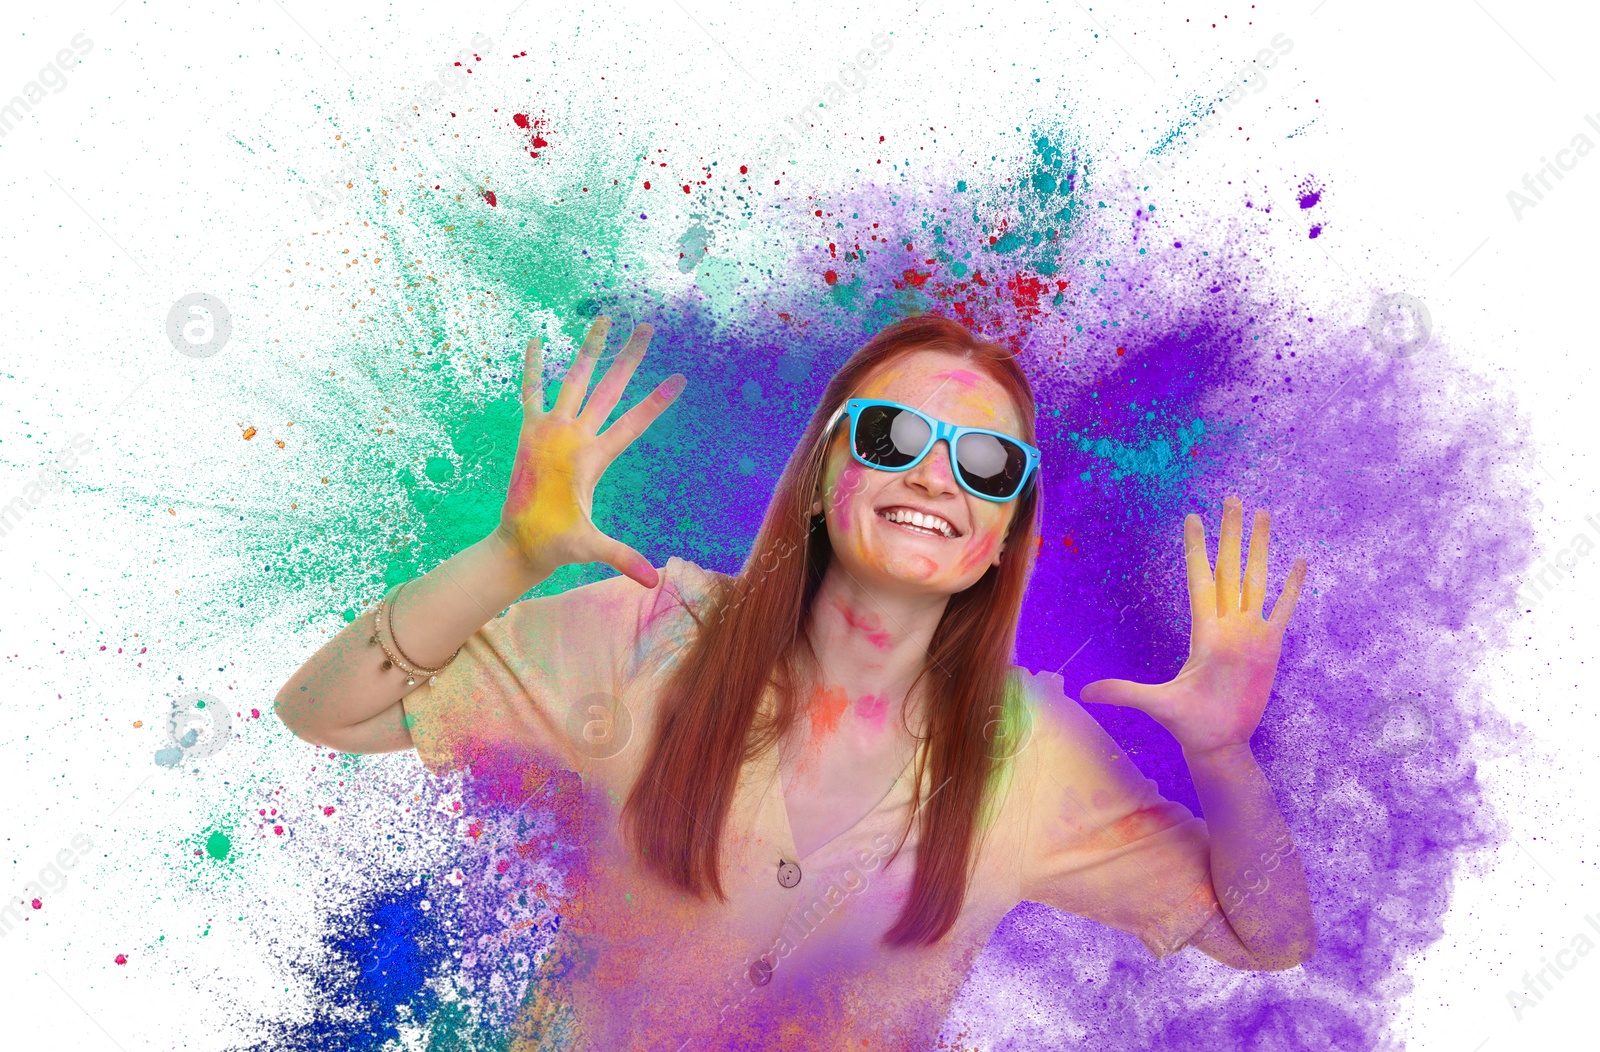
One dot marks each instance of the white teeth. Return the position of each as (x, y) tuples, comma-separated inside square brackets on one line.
[(931, 523)]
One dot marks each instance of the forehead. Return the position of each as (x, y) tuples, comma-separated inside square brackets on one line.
[(947, 386)]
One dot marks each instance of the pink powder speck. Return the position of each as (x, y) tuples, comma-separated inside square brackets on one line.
[(873, 708)]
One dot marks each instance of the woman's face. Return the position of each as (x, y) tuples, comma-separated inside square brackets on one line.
[(877, 551)]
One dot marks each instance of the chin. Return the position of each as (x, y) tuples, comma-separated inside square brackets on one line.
[(913, 571)]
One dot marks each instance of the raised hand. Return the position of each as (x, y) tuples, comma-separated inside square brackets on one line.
[(561, 454), (1217, 697)]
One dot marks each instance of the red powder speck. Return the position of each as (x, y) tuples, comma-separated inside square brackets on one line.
[(817, 212), (744, 169), (488, 195), (1122, 350), (831, 277), (121, 958), (520, 119), (685, 189), (647, 184)]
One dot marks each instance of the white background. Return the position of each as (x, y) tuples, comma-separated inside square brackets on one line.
[(146, 178)]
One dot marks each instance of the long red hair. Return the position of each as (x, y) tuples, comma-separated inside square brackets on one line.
[(752, 629)]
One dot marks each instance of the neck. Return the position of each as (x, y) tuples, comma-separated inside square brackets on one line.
[(871, 642)]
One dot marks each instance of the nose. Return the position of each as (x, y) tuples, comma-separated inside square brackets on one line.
[(934, 474)]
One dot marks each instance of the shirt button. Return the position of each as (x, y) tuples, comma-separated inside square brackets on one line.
[(788, 874), (760, 972)]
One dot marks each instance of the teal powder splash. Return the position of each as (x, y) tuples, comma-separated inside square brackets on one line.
[(1168, 376)]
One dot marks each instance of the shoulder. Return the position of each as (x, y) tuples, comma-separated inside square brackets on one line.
[(690, 581), (1050, 711), (671, 613), (1062, 736), (683, 588)]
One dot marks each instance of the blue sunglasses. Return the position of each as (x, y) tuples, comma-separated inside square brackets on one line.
[(894, 437)]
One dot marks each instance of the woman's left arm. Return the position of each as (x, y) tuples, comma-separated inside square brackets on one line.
[(1212, 706)]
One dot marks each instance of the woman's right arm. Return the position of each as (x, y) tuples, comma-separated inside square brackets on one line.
[(342, 699)]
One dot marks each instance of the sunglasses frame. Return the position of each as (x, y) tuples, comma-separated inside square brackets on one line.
[(939, 430)]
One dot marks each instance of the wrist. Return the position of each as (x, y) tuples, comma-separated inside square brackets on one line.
[(520, 566), (1227, 754)]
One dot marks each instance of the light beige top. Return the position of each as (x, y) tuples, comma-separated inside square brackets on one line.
[(570, 682)]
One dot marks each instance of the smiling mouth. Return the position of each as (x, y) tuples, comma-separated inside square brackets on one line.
[(919, 522)]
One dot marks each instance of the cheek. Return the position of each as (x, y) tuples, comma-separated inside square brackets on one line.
[(844, 494), (981, 549)]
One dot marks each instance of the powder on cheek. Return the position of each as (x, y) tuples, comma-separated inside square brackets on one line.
[(980, 551), (849, 484)]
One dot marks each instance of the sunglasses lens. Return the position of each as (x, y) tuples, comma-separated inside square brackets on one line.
[(991, 465), (890, 437)]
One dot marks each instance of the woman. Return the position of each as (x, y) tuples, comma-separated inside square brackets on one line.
[(810, 792)]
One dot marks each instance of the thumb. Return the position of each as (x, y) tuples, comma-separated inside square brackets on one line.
[(627, 561), (1122, 692)]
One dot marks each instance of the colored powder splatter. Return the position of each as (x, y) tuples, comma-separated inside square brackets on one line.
[(1168, 374), (218, 845)]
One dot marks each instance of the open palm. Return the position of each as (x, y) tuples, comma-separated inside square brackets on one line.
[(561, 454), (1218, 696)]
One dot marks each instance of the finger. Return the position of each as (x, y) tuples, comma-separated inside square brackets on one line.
[(1228, 556), (1283, 609), (1202, 586), (627, 561), (631, 425), (577, 380), (1255, 569), (533, 377), (609, 390), (1123, 692)]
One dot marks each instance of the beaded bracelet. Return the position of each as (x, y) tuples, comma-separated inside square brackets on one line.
[(395, 658)]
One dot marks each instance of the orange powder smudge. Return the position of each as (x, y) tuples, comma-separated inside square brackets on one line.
[(1138, 825), (827, 708), (249, 433)]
